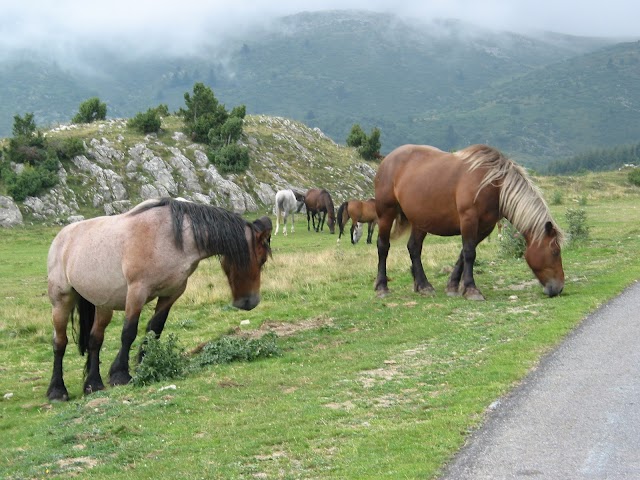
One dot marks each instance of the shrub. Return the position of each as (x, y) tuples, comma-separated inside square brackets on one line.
[(556, 199), (230, 159), (513, 243), (148, 122), (161, 361), (634, 177), (230, 349), (578, 228), (90, 110)]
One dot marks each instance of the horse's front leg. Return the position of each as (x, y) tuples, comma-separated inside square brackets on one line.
[(453, 286), (321, 217), (309, 216), (469, 291), (93, 381), (369, 232), (160, 315), (420, 282), (119, 371)]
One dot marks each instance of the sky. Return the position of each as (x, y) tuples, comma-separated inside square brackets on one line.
[(180, 26)]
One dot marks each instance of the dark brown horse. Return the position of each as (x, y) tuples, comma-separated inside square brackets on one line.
[(359, 211), (124, 261), (319, 202), (462, 193)]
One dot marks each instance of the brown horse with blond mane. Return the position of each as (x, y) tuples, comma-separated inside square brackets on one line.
[(124, 261), (462, 193)]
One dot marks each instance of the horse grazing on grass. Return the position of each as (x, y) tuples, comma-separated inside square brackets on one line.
[(124, 261), (319, 202), (288, 203), (462, 193), (359, 212)]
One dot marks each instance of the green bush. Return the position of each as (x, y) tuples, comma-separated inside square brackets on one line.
[(148, 122), (232, 349), (67, 148), (162, 361), (512, 244), (90, 110), (634, 177), (578, 228), (230, 159)]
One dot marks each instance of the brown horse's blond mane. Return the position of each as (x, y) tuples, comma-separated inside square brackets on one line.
[(521, 201)]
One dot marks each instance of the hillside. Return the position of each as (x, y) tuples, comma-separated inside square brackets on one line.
[(122, 168), (330, 70)]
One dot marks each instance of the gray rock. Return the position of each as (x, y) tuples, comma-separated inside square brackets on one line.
[(10, 214)]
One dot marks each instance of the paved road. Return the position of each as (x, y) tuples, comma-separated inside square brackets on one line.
[(575, 417)]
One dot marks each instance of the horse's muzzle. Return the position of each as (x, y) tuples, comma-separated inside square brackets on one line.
[(553, 288), (247, 303)]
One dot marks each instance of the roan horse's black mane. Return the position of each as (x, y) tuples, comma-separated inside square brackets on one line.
[(216, 231)]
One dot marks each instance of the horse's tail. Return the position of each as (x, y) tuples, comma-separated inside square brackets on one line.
[(341, 223), (400, 225), (86, 315)]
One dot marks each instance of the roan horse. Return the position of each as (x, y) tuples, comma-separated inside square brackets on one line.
[(288, 203), (462, 193), (359, 212), (124, 261), (319, 203)]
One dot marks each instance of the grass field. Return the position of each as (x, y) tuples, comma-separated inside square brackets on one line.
[(364, 388)]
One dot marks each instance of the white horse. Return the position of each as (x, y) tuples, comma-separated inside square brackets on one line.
[(287, 203)]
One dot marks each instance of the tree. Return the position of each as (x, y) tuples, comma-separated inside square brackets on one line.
[(90, 110), (356, 137), (370, 149), (24, 126), (208, 121), (368, 146)]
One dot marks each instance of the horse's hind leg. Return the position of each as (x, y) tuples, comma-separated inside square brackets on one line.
[(278, 223), (384, 243), (420, 282), (61, 311)]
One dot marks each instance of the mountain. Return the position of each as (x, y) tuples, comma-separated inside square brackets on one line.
[(445, 83)]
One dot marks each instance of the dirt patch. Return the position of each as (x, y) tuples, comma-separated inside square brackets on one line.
[(286, 329)]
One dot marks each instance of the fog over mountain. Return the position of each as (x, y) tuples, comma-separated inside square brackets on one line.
[(62, 30)]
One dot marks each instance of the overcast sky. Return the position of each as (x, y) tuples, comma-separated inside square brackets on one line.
[(60, 24)]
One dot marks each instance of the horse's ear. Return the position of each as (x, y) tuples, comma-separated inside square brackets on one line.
[(549, 228), (263, 224)]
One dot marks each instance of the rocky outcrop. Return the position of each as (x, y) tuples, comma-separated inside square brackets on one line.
[(10, 214), (113, 175)]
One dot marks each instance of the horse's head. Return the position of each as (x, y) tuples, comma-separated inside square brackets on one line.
[(544, 259), (245, 282), (331, 222)]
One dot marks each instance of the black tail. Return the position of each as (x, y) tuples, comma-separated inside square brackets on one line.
[(341, 224), (86, 313)]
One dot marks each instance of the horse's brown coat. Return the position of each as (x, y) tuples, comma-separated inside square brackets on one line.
[(463, 193)]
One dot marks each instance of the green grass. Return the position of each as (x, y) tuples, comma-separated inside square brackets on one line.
[(364, 388)]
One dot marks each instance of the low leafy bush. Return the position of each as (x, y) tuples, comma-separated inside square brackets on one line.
[(634, 177), (578, 228), (148, 122), (163, 360), (230, 349), (512, 244), (230, 158)]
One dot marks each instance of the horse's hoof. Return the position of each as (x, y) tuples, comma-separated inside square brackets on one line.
[(473, 294), (58, 395), (426, 291), (93, 387), (382, 293), (453, 292), (119, 378)]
